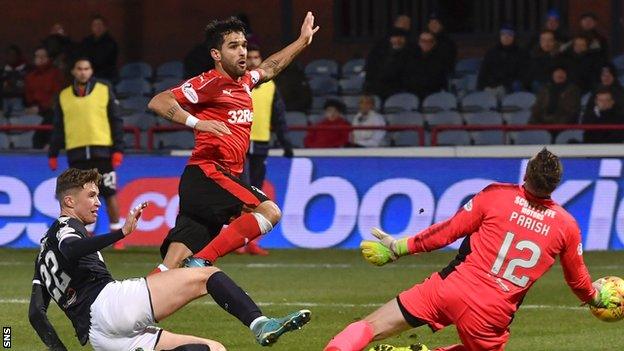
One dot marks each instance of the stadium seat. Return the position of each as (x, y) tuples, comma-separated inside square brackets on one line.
[(478, 101), (584, 100), (25, 120), (322, 67), (134, 70), (531, 137), (133, 104), (354, 67), (174, 140), (296, 118), (405, 118), (400, 102), (453, 137), (296, 137), (488, 137), (483, 118), (468, 66), (618, 62), (133, 87), (352, 103), (129, 141), (170, 70), (569, 137), (517, 118), (4, 141), (143, 121), (406, 138), (166, 84), (518, 101), (323, 85), (441, 101), (23, 140), (315, 118), (443, 117), (351, 85)]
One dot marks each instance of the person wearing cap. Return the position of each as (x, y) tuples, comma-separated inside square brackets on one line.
[(551, 23), (597, 42), (446, 48), (386, 67), (502, 65), (334, 111), (559, 102)]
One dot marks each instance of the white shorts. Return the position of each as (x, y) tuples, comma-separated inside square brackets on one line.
[(122, 318)]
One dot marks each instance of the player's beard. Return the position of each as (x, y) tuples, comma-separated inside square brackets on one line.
[(235, 70)]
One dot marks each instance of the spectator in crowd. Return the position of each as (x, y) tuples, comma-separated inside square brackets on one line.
[(427, 74), (268, 115), (319, 137), (41, 86), (558, 102), (583, 64), (59, 46), (445, 48), (386, 69), (101, 49), (502, 65), (597, 41), (604, 112), (12, 80), (293, 85), (541, 61), (553, 24), (368, 117), (87, 126), (608, 79)]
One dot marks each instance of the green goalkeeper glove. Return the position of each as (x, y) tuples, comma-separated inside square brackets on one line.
[(606, 296), (385, 250)]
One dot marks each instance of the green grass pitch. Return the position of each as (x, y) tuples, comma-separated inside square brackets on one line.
[(339, 287)]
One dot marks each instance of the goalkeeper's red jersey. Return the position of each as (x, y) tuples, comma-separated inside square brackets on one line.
[(216, 96), (512, 239)]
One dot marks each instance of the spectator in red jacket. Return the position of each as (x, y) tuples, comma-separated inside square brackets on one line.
[(41, 85), (323, 138)]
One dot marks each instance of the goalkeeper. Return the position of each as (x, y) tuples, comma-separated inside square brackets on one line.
[(512, 234)]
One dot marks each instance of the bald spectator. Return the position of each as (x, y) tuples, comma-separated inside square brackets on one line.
[(316, 137), (101, 49), (446, 49)]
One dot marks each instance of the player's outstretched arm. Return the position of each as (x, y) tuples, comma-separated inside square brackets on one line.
[(37, 315), (275, 63)]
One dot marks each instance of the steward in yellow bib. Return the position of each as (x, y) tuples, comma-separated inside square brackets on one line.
[(87, 127)]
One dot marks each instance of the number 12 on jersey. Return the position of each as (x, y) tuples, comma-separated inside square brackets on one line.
[(516, 262)]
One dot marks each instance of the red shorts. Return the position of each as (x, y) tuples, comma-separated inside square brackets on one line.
[(438, 303)]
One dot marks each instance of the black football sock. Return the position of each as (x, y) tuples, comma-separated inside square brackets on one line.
[(192, 347), (232, 298)]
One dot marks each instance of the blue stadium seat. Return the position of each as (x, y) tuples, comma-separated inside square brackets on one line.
[(405, 138), (323, 85), (618, 62), (400, 102), (478, 101), (405, 118), (488, 137), (133, 104), (175, 140), (322, 67), (22, 140), (569, 137), (443, 117), (143, 121), (441, 101), (25, 120), (518, 101), (483, 118), (351, 85), (296, 118), (171, 69), (517, 118), (354, 67), (531, 137), (4, 141), (296, 137), (468, 66), (166, 84), (315, 118), (352, 103), (453, 137), (133, 87), (136, 70)]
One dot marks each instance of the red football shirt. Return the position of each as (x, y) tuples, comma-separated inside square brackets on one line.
[(216, 96), (512, 239)]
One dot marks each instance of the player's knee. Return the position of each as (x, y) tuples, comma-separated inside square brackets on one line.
[(270, 211), (205, 273)]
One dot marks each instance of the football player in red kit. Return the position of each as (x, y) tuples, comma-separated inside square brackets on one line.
[(217, 105), (512, 235)]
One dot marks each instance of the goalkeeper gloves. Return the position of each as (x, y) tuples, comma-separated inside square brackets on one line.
[(606, 296), (385, 250)]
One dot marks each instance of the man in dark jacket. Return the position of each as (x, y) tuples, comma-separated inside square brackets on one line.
[(503, 64), (541, 62), (583, 64), (101, 49), (445, 49), (604, 112), (597, 41), (427, 73), (559, 102)]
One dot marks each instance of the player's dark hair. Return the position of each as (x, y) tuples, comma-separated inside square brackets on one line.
[(544, 172), (74, 178), (216, 31)]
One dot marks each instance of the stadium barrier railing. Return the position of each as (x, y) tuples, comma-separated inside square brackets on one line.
[(23, 128)]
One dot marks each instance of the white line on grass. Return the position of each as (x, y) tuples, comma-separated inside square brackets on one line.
[(338, 305)]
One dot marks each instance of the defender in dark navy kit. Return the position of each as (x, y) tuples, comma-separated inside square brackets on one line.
[(121, 315)]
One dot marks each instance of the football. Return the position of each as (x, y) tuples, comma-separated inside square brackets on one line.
[(615, 311)]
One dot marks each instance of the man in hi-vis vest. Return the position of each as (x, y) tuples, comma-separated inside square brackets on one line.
[(268, 115), (87, 127)]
